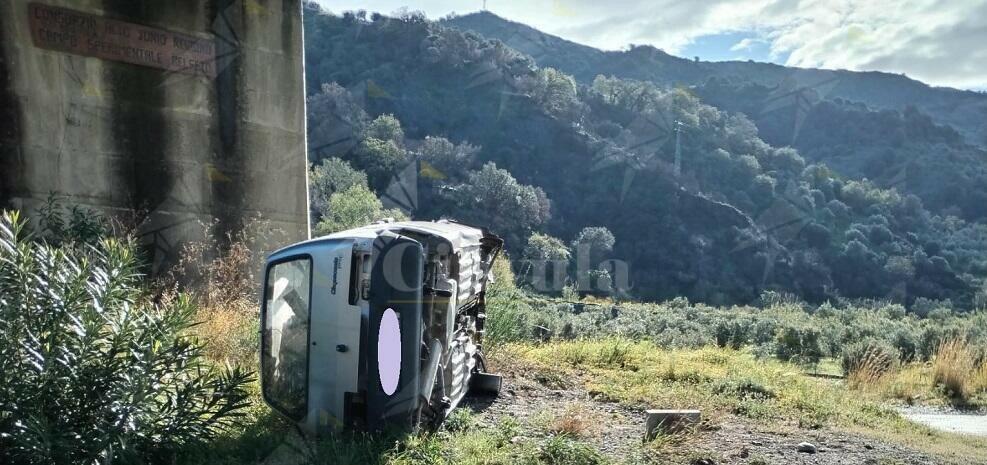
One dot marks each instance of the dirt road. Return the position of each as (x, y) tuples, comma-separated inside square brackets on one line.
[(616, 431)]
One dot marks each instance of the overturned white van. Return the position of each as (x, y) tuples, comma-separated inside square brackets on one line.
[(377, 327)]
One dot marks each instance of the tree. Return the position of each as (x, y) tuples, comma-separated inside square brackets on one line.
[(596, 242), (817, 235), (354, 207), (335, 121), (600, 153), (381, 159), (547, 259), (555, 91), (545, 247), (331, 176), (385, 128), (495, 198), (448, 159)]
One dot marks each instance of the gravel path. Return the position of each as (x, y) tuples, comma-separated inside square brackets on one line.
[(948, 420)]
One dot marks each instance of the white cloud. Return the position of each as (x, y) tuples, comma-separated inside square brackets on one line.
[(938, 42), (744, 44), (941, 42)]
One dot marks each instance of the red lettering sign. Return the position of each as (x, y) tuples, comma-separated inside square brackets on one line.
[(70, 31)]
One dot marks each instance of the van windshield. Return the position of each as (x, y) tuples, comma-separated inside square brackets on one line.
[(284, 338)]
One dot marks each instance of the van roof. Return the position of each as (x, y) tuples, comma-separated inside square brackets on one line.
[(458, 235)]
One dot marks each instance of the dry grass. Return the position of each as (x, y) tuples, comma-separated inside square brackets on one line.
[(953, 368), (219, 276), (220, 271), (576, 420), (980, 377), (911, 384), (230, 335), (953, 377), (221, 268)]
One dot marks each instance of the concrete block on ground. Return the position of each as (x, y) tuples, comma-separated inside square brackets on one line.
[(664, 421)]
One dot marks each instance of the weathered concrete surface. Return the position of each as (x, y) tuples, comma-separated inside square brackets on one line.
[(662, 421), (188, 150)]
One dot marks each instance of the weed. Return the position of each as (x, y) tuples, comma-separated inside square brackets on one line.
[(613, 354), (563, 450), (765, 390), (461, 419), (666, 439), (758, 460), (230, 335)]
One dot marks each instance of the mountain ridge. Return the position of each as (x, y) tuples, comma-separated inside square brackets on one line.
[(608, 155), (964, 110)]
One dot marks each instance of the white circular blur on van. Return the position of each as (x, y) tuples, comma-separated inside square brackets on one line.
[(389, 352)]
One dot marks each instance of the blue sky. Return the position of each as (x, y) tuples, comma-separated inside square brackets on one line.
[(731, 46), (940, 42)]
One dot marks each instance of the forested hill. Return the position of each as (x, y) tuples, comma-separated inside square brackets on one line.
[(550, 162), (895, 131), (964, 110)]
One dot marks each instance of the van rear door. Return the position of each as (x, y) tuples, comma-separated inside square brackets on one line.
[(335, 340)]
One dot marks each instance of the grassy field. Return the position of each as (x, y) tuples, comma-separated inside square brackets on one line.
[(723, 381), (671, 355)]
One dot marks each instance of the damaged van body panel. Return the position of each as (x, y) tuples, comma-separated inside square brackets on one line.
[(390, 334)]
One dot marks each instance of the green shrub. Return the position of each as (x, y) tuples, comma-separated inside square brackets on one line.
[(508, 320), (799, 344), (66, 225), (907, 344), (743, 389), (733, 333), (93, 371)]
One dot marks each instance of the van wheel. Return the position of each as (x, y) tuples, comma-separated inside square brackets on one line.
[(485, 384)]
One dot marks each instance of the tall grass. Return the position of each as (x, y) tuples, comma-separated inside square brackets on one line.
[(980, 378), (508, 313), (953, 369), (220, 271), (873, 367)]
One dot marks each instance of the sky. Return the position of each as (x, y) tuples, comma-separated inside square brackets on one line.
[(940, 42)]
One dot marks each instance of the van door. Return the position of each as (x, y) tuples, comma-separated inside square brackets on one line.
[(394, 347), (335, 340)]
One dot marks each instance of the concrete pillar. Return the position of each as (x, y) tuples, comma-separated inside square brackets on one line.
[(188, 113)]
